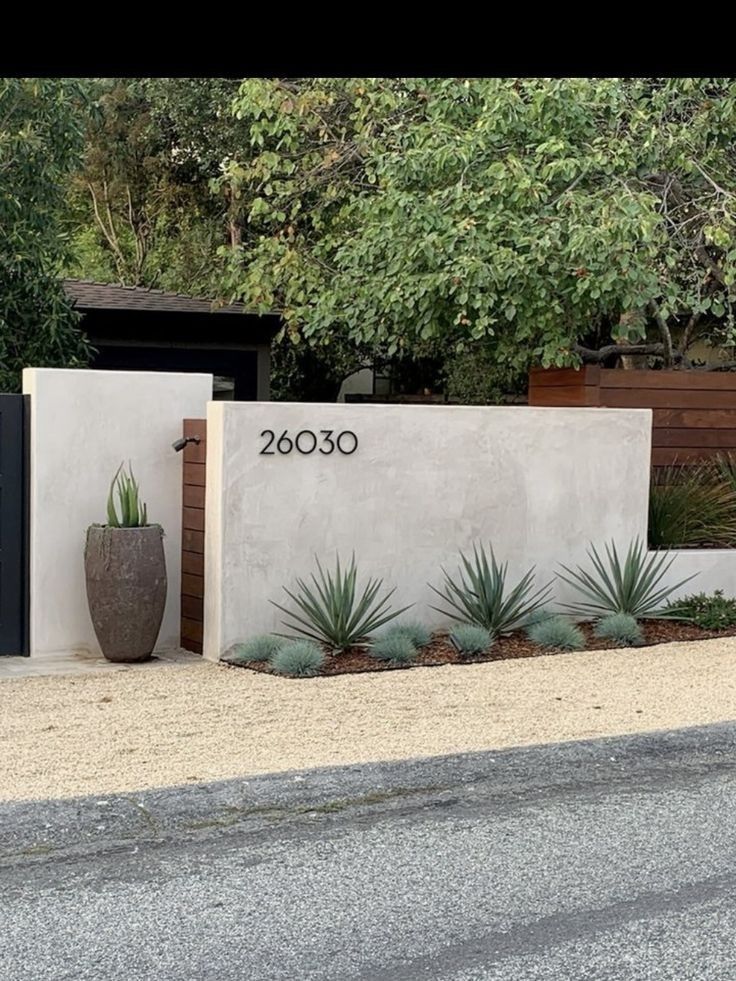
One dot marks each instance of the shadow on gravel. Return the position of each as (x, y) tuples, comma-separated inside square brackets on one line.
[(37, 830)]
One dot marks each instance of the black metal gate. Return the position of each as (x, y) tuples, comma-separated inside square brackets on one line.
[(13, 524)]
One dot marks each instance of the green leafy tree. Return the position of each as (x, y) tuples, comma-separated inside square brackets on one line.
[(40, 136), (473, 376), (549, 219), (156, 196), (195, 115), (148, 202), (302, 372)]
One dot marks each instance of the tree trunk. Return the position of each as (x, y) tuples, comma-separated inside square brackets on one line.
[(236, 234), (629, 362)]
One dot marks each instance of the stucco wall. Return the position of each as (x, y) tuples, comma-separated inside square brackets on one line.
[(713, 568), (83, 424), (537, 482)]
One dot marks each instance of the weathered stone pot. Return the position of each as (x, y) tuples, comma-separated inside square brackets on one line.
[(126, 589)]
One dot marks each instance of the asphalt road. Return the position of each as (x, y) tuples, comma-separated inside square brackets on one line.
[(611, 861)]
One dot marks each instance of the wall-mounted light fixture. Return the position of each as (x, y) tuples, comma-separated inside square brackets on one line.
[(180, 443)]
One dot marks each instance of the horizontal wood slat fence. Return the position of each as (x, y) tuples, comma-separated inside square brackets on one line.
[(192, 539), (694, 412)]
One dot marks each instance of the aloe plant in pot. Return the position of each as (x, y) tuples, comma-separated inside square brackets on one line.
[(126, 574)]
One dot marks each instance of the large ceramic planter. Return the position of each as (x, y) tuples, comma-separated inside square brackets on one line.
[(126, 589)]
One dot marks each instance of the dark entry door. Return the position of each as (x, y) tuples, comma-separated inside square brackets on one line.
[(13, 633)]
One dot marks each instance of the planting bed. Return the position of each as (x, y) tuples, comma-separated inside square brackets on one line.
[(517, 645)]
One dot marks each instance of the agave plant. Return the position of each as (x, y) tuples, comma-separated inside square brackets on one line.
[(479, 594), (333, 611), (132, 513), (633, 586)]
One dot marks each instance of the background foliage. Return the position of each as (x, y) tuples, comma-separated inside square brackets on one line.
[(454, 231), (145, 208), (40, 137), (536, 215)]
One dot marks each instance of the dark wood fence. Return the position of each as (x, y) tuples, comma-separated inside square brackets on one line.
[(694, 412), (192, 537)]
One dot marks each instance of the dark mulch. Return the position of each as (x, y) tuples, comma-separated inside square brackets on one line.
[(440, 650)]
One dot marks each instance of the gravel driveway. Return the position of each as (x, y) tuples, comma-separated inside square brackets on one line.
[(178, 724)]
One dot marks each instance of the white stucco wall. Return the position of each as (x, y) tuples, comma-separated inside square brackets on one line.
[(539, 483), (83, 424), (713, 568)]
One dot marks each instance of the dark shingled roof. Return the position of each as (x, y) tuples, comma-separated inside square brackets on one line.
[(88, 295)]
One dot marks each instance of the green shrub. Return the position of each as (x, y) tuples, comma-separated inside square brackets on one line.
[(692, 505), (471, 639), (538, 616), (297, 659), (476, 377), (261, 648), (725, 467), (417, 633), (395, 648), (557, 632), (714, 612), (480, 595), (132, 512), (621, 628), (633, 587), (332, 611)]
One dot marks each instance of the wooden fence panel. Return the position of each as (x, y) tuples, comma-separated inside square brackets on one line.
[(694, 412), (192, 549)]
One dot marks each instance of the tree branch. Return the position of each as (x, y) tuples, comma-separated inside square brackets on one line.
[(723, 366), (716, 187), (687, 333), (591, 356), (109, 233), (710, 264), (570, 187), (664, 332)]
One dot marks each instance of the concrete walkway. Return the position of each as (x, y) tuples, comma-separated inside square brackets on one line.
[(83, 663)]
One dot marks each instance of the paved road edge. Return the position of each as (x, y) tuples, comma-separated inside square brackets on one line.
[(36, 829)]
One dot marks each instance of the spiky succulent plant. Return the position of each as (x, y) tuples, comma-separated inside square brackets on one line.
[(479, 594), (125, 496), (633, 585), (332, 610)]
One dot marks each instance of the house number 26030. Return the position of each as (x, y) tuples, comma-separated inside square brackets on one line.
[(306, 441)]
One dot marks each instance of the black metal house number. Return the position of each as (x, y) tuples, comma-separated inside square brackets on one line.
[(307, 441)]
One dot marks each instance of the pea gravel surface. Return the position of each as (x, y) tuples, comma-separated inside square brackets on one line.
[(188, 723)]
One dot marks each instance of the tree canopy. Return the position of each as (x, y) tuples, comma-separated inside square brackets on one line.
[(149, 204), (546, 219), (474, 225), (40, 137)]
